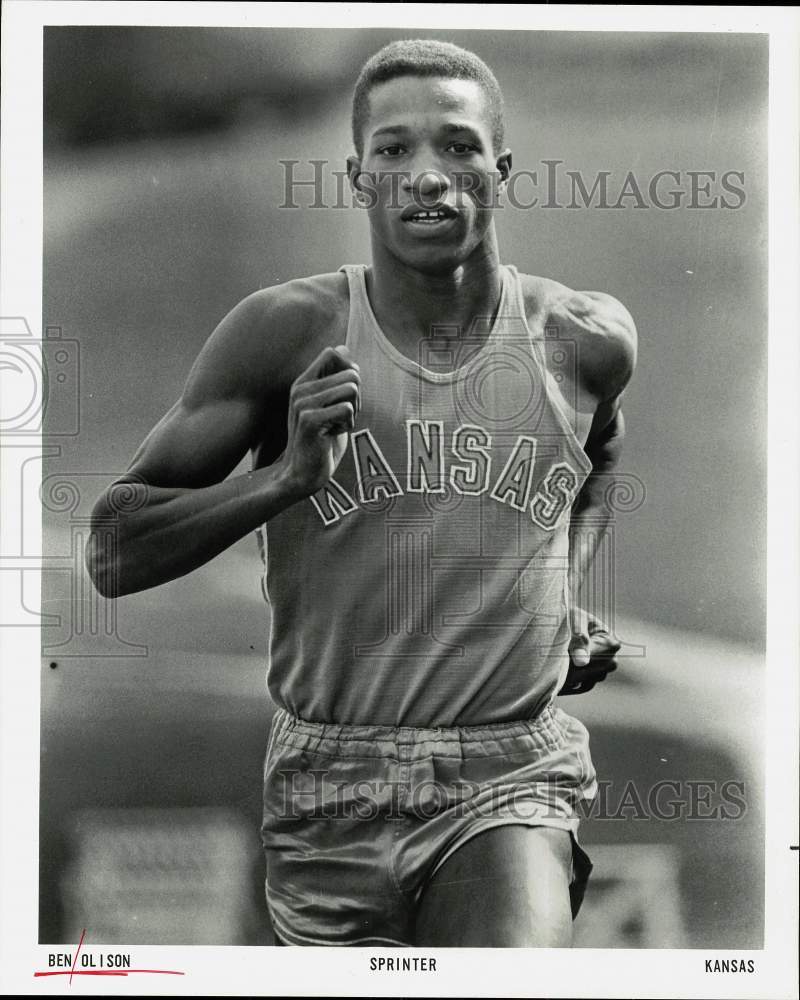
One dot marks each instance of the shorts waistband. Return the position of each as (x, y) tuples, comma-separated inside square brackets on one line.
[(546, 731)]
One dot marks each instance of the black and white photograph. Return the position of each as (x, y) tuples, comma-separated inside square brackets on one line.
[(400, 500)]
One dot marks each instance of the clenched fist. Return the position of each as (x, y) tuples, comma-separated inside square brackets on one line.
[(591, 653), (323, 403)]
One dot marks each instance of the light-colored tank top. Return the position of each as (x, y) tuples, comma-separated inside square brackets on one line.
[(426, 583)]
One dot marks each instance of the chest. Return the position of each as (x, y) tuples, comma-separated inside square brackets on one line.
[(484, 450)]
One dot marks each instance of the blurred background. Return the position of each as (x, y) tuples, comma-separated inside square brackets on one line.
[(163, 183)]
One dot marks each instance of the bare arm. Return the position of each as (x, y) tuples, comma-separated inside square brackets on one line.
[(590, 513), (174, 510), (607, 355)]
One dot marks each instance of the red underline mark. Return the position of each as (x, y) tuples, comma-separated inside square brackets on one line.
[(102, 972), (108, 972)]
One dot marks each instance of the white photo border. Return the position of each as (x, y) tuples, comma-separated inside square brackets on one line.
[(467, 972)]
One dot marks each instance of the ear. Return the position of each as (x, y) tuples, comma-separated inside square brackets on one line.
[(362, 182), (503, 164), (354, 172)]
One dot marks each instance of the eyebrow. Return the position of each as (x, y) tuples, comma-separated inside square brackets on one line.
[(458, 127), (390, 129), (450, 127)]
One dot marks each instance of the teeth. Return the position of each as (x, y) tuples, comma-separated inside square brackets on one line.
[(428, 216)]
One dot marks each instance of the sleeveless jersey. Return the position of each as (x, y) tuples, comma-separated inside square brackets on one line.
[(426, 583)]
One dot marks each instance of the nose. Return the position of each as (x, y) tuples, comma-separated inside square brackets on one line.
[(429, 186)]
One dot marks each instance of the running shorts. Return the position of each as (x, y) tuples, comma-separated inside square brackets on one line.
[(357, 819)]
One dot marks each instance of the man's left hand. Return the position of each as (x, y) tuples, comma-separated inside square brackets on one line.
[(591, 654)]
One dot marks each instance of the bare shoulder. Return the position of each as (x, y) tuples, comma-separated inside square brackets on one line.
[(266, 340), (602, 327)]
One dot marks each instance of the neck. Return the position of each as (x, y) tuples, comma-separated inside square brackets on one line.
[(409, 303)]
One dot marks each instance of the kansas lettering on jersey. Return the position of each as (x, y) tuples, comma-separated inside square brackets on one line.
[(426, 583), (467, 474)]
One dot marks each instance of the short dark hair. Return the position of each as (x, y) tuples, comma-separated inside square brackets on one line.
[(426, 57)]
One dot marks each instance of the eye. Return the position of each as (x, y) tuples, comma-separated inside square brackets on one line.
[(461, 148), (394, 149)]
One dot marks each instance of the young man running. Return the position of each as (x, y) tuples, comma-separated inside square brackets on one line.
[(424, 454)]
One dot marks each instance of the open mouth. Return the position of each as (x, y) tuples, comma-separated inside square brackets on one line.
[(428, 217)]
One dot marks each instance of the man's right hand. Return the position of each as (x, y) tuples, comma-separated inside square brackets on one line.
[(323, 404)]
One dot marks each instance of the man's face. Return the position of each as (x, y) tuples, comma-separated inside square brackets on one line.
[(429, 176)]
